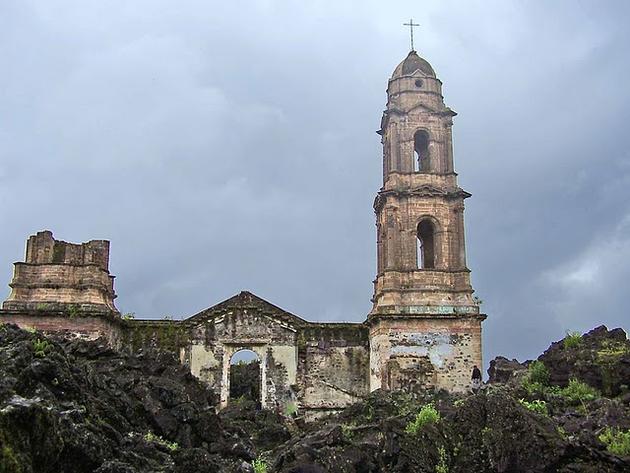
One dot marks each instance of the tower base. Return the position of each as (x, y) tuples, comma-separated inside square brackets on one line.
[(420, 352)]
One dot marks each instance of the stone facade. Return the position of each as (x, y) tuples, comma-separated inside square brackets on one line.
[(424, 330), (318, 367)]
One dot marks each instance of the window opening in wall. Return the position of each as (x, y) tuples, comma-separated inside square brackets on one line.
[(421, 151), (245, 377), (426, 245)]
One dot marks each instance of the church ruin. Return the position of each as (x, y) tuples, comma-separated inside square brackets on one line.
[(423, 332)]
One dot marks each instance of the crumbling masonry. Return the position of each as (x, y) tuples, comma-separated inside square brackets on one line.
[(424, 330)]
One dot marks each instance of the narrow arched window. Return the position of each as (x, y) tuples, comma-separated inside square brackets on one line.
[(421, 151), (426, 245)]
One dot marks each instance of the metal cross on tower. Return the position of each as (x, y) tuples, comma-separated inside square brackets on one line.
[(411, 24)]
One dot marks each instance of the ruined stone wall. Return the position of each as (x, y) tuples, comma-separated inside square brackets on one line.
[(87, 327), (168, 335), (57, 274), (333, 368), (42, 248), (415, 353), (317, 367), (215, 340)]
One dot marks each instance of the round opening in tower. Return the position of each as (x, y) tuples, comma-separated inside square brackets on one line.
[(419, 83)]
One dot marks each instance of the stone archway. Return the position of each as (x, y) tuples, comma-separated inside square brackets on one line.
[(229, 350), (246, 322), (245, 378)]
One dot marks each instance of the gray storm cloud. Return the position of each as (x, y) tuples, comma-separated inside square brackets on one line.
[(223, 146)]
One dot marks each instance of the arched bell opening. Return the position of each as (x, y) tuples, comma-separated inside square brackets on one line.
[(426, 244), (421, 151)]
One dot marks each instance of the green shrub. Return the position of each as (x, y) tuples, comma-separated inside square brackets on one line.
[(572, 340), (578, 391), (40, 347), (260, 466), (129, 316), (538, 406), (616, 441), (151, 437), (537, 372), (537, 378), (534, 389), (428, 415)]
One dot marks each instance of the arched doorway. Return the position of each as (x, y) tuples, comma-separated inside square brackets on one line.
[(245, 379)]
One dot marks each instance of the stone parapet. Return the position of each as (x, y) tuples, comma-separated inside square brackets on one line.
[(84, 326)]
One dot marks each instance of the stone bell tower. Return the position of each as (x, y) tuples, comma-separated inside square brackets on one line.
[(425, 326)]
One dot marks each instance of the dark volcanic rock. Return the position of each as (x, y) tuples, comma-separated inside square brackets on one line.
[(602, 360), (265, 428), (76, 406), (488, 432), (502, 370)]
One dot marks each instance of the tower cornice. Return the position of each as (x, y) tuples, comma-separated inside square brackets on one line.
[(373, 318), (396, 111), (420, 191)]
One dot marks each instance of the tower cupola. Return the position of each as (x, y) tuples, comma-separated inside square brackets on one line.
[(413, 64)]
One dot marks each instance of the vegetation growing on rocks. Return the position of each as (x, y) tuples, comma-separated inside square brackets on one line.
[(572, 340), (86, 408), (428, 415), (536, 405), (616, 441)]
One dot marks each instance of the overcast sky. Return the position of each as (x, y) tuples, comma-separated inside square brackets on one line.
[(231, 145)]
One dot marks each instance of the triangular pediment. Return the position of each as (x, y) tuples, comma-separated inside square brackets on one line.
[(421, 107), (428, 190), (419, 73), (245, 300)]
